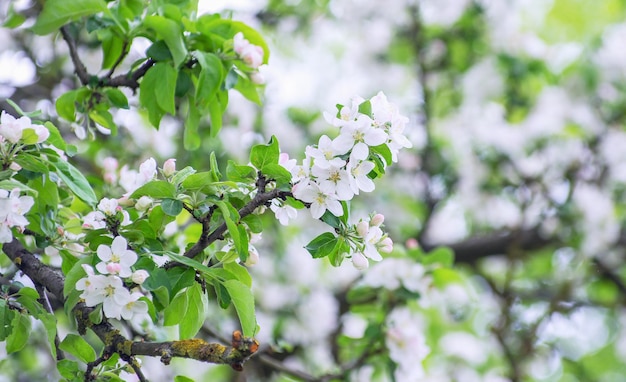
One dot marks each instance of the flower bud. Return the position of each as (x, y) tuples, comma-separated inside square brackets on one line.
[(253, 257), (257, 78), (15, 167), (362, 228), (143, 203), (385, 245), (359, 261), (377, 220), (139, 276), (109, 164), (412, 243), (114, 268), (169, 167)]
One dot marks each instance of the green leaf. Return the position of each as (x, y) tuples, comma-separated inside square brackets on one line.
[(248, 89), (198, 181), (19, 336), (55, 137), (156, 189), (66, 105), (440, 255), (262, 155), (238, 173), (322, 245), (280, 174), (216, 111), (366, 108), (31, 162), (193, 318), (182, 378), (6, 318), (240, 272), (76, 273), (159, 51), (13, 19), (383, 151), (156, 91), (172, 207), (112, 49), (69, 370), (117, 98), (191, 137), (242, 299), (56, 13), (76, 181), (183, 174), (171, 33), (175, 311), (231, 218), (210, 78), (78, 347), (104, 119), (209, 273)]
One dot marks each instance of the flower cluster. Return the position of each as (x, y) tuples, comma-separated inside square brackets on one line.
[(12, 210), (370, 241), (252, 55), (106, 209), (336, 170), (107, 286), (21, 129)]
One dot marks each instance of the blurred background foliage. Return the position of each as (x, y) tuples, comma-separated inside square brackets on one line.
[(518, 171)]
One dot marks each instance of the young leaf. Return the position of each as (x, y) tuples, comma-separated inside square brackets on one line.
[(172, 207), (19, 336), (262, 155), (171, 33), (56, 13), (322, 245), (156, 189), (76, 181), (175, 311), (194, 316), (78, 347), (242, 299), (210, 78)]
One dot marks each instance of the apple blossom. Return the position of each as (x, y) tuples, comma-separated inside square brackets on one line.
[(320, 201), (357, 136), (169, 167), (249, 53), (282, 211), (12, 210), (108, 206), (333, 180), (359, 261), (358, 179), (134, 307), (143, 203), (324, 154), (139, 276), (116, 259)]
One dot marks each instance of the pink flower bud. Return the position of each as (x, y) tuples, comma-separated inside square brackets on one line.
[(257, 78), (109, 164), (60, 230), (412, 243), (169, 167), (15, 167), (385, 245), (360, 261), (377, 220), (114, 268), (139, 276)]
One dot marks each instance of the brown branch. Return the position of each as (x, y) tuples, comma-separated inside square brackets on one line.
[(235, 355), (79, 67), (497, 243)]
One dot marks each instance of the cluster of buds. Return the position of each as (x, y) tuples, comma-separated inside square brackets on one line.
[(252, 55)]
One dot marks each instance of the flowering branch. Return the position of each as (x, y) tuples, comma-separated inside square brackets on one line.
[(239, 351)]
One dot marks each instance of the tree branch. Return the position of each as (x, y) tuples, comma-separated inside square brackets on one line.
[(235, 355), (79, 67)]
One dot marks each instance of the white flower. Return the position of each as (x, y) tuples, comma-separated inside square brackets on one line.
[(106, 290), (324, 154), (108, 206), (358, 178), (139, 276), (320, 201), (283, 212), (359, 261), (134, 307), (94, 220), (11, 129), (357, 136), (12, 210), (131, 180), (143, 203), (116, 259), (333, 181), (346, 113), (406, 342)]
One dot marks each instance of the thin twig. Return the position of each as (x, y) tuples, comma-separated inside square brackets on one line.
[(80, 69)]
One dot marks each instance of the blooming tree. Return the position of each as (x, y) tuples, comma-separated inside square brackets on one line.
[(153, 228)]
